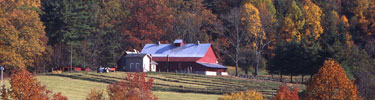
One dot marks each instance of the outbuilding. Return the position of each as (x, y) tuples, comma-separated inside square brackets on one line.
[(138, 62)]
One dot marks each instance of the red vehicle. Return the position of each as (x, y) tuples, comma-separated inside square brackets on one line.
[(112, 69), (64, 69)]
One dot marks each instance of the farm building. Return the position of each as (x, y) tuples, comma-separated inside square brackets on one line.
[(137, 62), (186, 58)]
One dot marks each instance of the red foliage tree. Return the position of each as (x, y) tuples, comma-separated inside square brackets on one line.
[(137, 87), (148, 21), (284, 94), (24, 86)]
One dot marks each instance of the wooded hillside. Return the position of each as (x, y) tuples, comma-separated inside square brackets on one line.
[(288, 37)]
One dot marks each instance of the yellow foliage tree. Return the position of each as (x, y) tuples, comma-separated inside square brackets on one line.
[(349, 41), (312, 14), (293, 23), (331, 83), (247, 95), (250, 18), (258, 38), (22, 35)]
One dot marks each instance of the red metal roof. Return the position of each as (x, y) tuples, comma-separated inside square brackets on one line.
[(175, 59)]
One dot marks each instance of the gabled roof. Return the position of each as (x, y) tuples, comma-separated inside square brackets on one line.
[(154, 63), (178, 41), (186, 50), (212, 65), (136, 55)]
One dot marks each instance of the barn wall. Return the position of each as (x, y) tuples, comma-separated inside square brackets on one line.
[(146, 64), (134, 67), (179, 66), (209, 57)]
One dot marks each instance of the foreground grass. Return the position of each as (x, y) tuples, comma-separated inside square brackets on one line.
[(76, 89), (167, 86), (184, 96)]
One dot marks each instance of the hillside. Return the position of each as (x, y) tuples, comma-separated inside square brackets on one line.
[(77, 85)]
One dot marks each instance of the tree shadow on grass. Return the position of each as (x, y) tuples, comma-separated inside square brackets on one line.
[(80, 77)]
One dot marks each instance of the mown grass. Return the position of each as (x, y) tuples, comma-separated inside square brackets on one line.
[(167, 86), (264, 74)]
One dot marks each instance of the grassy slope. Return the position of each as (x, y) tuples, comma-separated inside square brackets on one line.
[(77, 89), (167, 86)]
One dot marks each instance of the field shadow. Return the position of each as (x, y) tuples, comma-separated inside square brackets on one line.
[(80, 77)]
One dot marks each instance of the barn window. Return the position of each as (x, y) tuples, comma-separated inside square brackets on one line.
[(131, 65), (136, 65)]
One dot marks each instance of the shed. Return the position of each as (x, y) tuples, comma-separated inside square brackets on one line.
[(139, 62)]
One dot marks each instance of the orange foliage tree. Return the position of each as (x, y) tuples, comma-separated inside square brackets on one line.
[(24, 86), (331, 83), (284, 94), (137, 87), (22, 35), (247, 95), (149, 20)]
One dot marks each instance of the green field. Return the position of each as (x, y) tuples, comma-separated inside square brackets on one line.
[(167, 86)]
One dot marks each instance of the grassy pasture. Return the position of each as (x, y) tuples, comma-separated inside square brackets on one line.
[(167, 86)]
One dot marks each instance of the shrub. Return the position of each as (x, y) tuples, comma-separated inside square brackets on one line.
[(137, 87), (284, 94), (24, 86), (95, 95), (247, 95)]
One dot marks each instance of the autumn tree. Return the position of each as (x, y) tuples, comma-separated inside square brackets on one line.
[(292, 23), (245, 95), (331, 83), (312, 14), (363, 25), (22, 35), (24, 86), (109, 39), (258, 37), (95, 95), (235, 35), (134, 87), (149, 20), (360, 65), (283, 93), (193, 21)]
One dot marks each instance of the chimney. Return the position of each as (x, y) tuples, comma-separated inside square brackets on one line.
[(135, 51), (178, 42)]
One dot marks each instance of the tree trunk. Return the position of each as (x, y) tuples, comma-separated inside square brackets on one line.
[(281, 77), (71, 57), (302, 78), (291, 78), (257, 63), (237, 51), (236, 68)]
